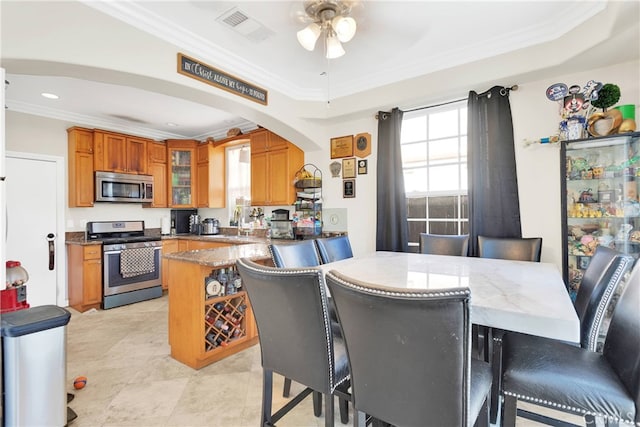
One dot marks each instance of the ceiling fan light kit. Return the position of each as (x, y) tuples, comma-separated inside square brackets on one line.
[(330, 17)]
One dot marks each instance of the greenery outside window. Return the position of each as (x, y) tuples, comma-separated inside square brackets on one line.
[(434, 158)]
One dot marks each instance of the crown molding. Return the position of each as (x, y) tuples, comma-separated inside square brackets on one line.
[(143, 19), (118, 125)]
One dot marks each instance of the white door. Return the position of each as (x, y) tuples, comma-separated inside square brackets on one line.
[(33, 218)]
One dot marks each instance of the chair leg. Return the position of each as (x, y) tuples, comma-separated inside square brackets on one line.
[(475, 340), (286, 389), (483, 416), (509, 411), (343, 404), (328, 411), (496, 371), (267, 397), (317, 403), (359, 418)]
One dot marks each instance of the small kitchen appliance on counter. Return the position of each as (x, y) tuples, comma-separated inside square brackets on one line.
[(210, 226), (180, 220), (281, 226), (130, 262), (195, 226)]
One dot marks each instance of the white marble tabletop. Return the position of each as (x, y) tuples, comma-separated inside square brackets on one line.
[(527, 297)]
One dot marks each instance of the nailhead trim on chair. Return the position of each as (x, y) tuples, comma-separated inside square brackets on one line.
[(566, 408), (325, 313), (432, 294), (592, 342)]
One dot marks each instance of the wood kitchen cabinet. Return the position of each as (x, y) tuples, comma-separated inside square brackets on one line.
[(168, 247), (80, 159), (84, 269), (157, 167), (274, 162), (120, 153), (210, 176), (181, 158)]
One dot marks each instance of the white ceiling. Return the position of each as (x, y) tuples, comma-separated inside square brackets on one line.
[(396, 41)]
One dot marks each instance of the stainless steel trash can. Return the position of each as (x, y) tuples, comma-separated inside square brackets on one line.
[(34, 365)]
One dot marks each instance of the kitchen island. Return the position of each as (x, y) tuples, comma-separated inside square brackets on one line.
[(207, 324)]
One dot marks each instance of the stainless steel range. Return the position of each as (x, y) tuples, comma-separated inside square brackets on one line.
[(131, 262)]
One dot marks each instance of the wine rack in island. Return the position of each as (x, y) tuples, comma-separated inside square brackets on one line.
[(225, 320), (225, 308), (210, 315)]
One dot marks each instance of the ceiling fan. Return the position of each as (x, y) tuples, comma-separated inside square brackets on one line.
[(332, 19)]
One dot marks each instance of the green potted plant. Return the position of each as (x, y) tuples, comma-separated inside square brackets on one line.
[(607, 96)]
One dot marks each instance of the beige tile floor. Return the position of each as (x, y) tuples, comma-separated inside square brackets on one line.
[(133, 381)]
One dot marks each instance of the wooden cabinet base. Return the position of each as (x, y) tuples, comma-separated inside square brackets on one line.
[(214, 355), (84, 269), (193, 318)]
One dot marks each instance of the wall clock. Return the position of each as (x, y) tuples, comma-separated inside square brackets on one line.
[(362, 145)]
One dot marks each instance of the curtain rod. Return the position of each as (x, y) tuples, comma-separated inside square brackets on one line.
[(504, 91)]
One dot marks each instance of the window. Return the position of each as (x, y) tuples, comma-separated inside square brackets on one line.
[(434, 162), (238, 178)]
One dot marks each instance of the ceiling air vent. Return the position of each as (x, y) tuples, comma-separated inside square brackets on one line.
[(238, 21)]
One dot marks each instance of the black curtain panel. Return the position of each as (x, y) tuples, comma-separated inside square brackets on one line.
[(392, 230), (494, 208)]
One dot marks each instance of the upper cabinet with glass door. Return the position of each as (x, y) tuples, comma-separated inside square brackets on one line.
[(182, 172), (602, 177)]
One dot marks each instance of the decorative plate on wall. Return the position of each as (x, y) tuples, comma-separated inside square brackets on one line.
[(362, 145)]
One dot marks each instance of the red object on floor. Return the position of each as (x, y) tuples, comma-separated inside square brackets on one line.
[(13, 299)]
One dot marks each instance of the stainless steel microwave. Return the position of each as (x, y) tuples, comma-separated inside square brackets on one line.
[(123, 187)]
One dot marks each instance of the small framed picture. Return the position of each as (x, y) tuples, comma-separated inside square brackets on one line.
[(349, 168), (362, 167), (348, 188), (342, 147)]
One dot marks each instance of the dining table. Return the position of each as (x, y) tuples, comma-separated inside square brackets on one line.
[(520, 296)]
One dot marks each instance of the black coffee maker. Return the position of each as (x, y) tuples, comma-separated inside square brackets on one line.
[(181, 220)]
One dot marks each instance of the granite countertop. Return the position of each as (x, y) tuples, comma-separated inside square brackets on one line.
[(78, 238), (225, 256), (223, 238)]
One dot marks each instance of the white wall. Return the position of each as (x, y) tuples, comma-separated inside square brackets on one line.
[(35, 134), (534, 116)]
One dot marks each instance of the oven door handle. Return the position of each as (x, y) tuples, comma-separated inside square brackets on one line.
[(117, 251)]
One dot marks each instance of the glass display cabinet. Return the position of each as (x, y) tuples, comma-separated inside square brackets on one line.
[(181, 173), (601, 183)]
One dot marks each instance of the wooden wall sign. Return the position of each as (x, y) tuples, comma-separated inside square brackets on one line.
[(214, 77), (362, 145)]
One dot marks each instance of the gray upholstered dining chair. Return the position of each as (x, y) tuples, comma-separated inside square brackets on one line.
[(602, 277), (300, 254), (294, 255), (576, 380), (296, 338), (410, 354), (334, 248), (444, 244), (514, 248)]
